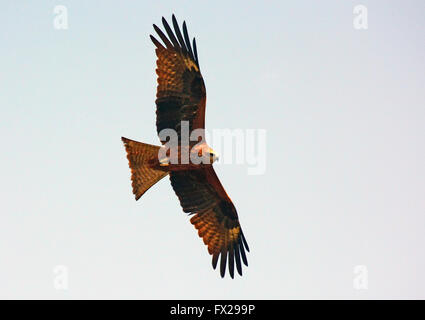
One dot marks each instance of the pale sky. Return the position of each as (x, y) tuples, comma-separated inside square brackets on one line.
[(343, 111)]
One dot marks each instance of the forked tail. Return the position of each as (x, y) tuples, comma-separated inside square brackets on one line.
[(140, 157)]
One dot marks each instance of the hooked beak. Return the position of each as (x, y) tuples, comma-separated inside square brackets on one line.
[(215, 155)]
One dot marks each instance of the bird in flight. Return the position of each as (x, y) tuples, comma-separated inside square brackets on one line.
[(180, 102)]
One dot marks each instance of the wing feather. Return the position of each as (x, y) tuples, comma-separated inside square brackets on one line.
[(181, 94), (163, 37), (179, 35), (195, 50), (171, 34), (186, 38), (201, 193)]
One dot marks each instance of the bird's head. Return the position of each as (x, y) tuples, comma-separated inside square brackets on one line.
[(213, 155), (206, 154)]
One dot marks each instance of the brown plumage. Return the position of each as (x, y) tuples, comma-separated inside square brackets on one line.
[(181, 96), (140, 156)]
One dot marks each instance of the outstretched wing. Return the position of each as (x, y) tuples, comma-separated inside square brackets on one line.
[(201, 193), (181, 92)]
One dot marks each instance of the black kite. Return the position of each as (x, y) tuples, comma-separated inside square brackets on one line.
[(181, 96)]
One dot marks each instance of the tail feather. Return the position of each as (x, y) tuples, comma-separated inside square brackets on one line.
[(140, 158)]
